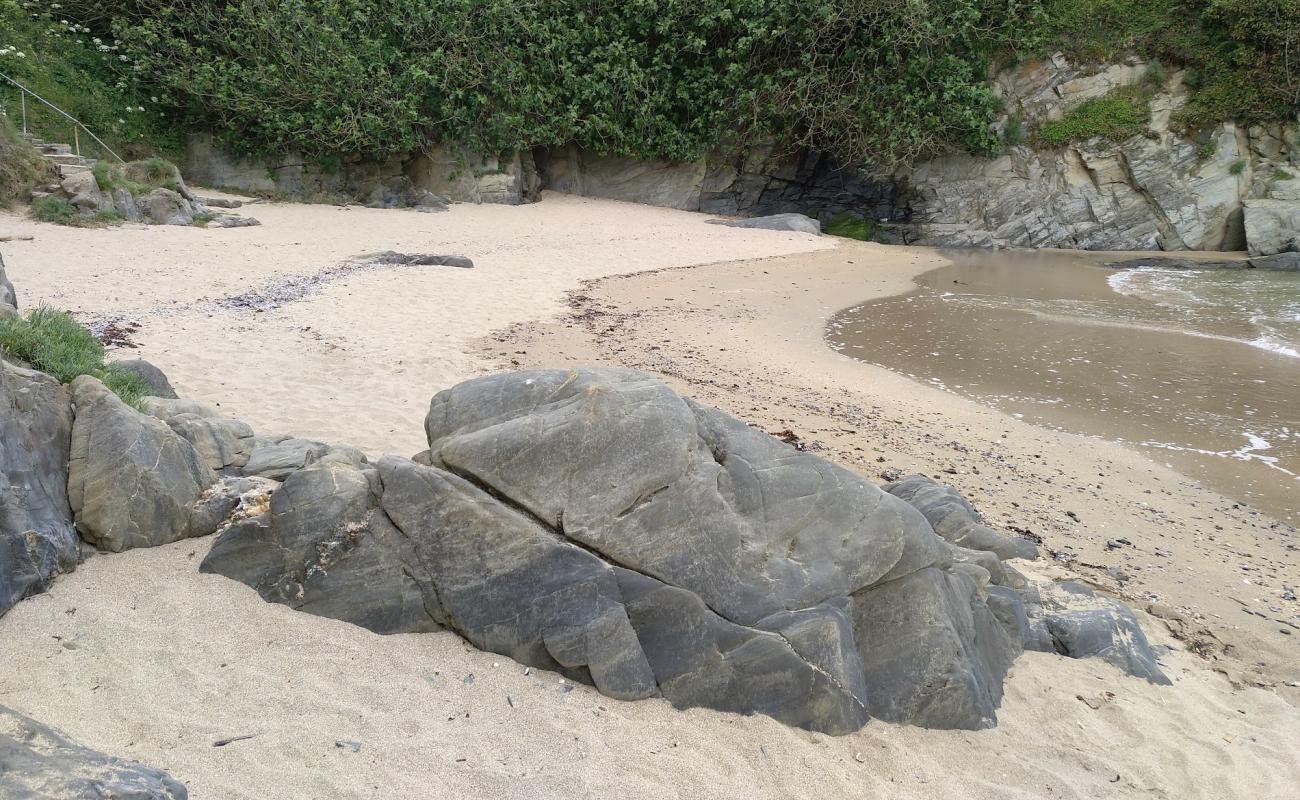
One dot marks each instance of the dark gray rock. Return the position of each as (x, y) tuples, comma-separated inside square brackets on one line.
[(933, 653), (1169, 262), (8, 297), (132, 482), (37, 537), (701, 659), (153, 376), (799, 223), (688, 495), (957, 520), (39, 763), (336, 554), (595, 523), (1288, 262), (1084, 624)]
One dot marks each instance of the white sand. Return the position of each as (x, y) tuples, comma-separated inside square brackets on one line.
[(358, 362), (140, 655), (166, 661)]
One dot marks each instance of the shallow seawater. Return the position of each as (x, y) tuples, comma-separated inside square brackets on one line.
[(1198, 368)]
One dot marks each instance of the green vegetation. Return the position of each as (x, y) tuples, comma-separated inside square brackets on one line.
[(52, 342), (54, 209), (1242, 56), (21, 167), (1113, 118), (137, 177), (55, 54), (876, 81), (1238, 166), (1282, 175), (884, 82), (60, 212), (849, 226)]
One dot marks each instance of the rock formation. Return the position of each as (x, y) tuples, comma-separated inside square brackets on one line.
[(37, 538), (591, 522), (132, 481), (595, 523), (158, 383), (39, 763), (171, 203)]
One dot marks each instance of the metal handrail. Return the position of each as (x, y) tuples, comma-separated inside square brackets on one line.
[(76, 123)]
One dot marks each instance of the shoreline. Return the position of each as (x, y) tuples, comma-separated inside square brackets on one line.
[(763, 356)]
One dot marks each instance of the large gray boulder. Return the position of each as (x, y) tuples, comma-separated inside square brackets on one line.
[(39, 763), (165, 207), (37, 538), (132, 481), (1272, 226), (799, 223), (595, 523)]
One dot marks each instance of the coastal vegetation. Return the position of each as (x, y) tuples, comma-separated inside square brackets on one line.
[(53, 342), (870, 81)]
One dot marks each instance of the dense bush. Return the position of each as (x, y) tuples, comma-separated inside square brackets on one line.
[(82, 71), (883, 81), (880, 80), (54, 343)]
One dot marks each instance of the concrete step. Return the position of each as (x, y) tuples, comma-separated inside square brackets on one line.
[(71, 169), (55, 149), (67, 158)]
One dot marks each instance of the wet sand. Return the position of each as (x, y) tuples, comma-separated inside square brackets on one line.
[(1042, 336)]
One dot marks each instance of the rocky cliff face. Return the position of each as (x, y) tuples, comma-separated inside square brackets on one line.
[(1230, 188), (1161, 190), (447, 171), (1225, 189)]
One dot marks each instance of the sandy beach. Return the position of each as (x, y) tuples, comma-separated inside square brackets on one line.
[(140, 655), (356, 360)]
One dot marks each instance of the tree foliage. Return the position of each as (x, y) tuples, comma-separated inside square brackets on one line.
[(879, 80)]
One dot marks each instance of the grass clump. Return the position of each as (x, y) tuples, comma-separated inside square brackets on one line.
[(137, 177), (21, 167), (850, 227), (58, 211), (1238, 167), (52, 342), (1118, 116), (1282, 175)]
